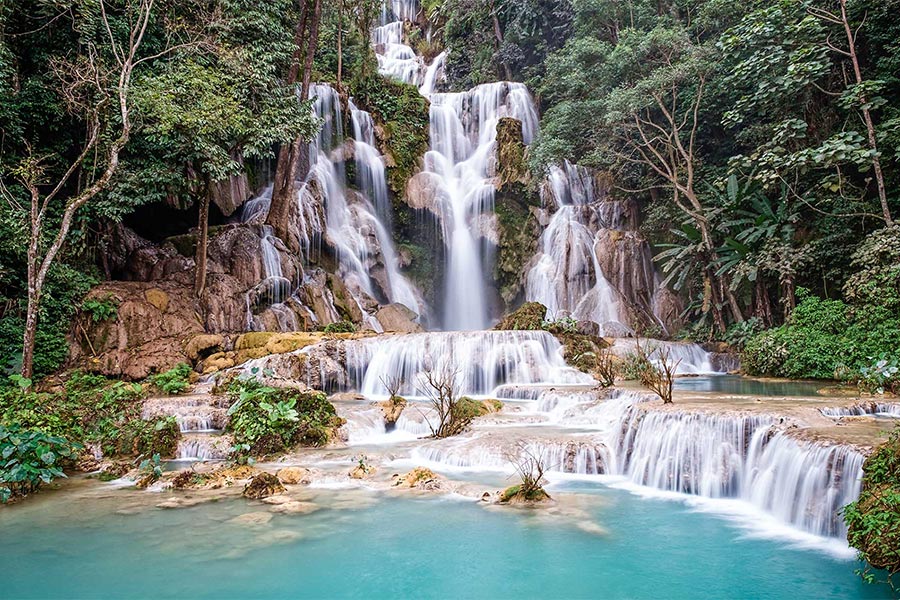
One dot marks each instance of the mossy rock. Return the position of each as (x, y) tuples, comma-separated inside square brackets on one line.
[(263, 486), (205, 344), (288, 342), (529, 317), (253, 339), (515, 494), (157, 298), (581, 350), (511, 163), (873, 522)]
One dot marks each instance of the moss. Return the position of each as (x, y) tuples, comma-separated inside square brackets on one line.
[(873, 521), (402, 114), (515, 493), (529, 316), (519, 233), (580, 350), (511, 163)]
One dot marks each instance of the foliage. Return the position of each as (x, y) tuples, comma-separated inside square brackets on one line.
[(882, 374), (29, 458), (340, 327), (822, 337), (267, 420), (738, 334), (561, 325), (175, 380), (530, 467), (100, 309), (150, 471), (873, 521), (528, 317), (403, 114), (91, 409)]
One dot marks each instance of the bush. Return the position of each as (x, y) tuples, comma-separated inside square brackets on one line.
[(268, 420), (529, 317), (561, 325), (30, 458), (403, 113), (340, 327), (823, 339), (174, 381), (92, 410), (873, 521)]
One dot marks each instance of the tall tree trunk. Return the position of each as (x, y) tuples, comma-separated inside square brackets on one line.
[(340, 51), (289, 156), (867, 117), (762, 305), (203, 226)]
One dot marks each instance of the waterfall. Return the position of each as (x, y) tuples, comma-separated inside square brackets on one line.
[(691, 358), (461, 159), (880, 409), (482, 360)]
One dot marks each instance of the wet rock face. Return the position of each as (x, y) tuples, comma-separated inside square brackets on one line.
[(399, 318), (511, 165)]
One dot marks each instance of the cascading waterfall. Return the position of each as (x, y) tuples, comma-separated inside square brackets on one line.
[(463, 129), (880, 409), (481, 360), (461, 159), (566, 276)]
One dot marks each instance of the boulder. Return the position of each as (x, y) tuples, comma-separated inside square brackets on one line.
[(398, 317), (263, 485), (293, 475)]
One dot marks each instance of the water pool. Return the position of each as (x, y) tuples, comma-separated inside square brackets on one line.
[(115, 545), (735, 384)]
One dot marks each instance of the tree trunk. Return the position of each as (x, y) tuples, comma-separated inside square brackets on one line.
[(203, 226), (28, 340), (762, 305), (340, 35), (867, 117), (788, 296), (289, 156)]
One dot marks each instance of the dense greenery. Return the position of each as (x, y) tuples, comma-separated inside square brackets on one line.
[(175, 380), (823, 339), (267, 420), (874, 520), (29, 459), (403, 115), (91, 410)]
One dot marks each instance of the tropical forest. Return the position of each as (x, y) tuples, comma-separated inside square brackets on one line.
[(459, 298)]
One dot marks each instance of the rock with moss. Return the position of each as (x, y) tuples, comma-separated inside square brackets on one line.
[(873, 521), (421, 479), (529, 317), (263, 485), (524, 496)]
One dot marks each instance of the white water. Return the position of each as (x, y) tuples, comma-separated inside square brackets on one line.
[(566, 276), (880, 409), (482, 361), (691, 358)]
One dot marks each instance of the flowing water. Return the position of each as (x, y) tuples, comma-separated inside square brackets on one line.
[(371, 546)]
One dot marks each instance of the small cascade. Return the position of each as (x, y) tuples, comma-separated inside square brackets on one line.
[(878, 409), (482, 360), (566, 276), (692, 359), (365, 424), (201, 419)]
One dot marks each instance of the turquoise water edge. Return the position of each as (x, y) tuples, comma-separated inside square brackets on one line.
[(116, 544)]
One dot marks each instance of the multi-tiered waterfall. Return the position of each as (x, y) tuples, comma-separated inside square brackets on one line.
[(580, 269)]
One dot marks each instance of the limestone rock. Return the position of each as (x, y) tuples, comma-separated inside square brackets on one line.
[(263, 485), (293, 475), (296, 508), (529, 316), (398, 317), (204, 345)]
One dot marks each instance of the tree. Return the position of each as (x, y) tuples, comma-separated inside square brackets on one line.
[(96, 88), (291, 157), (863, 94)]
